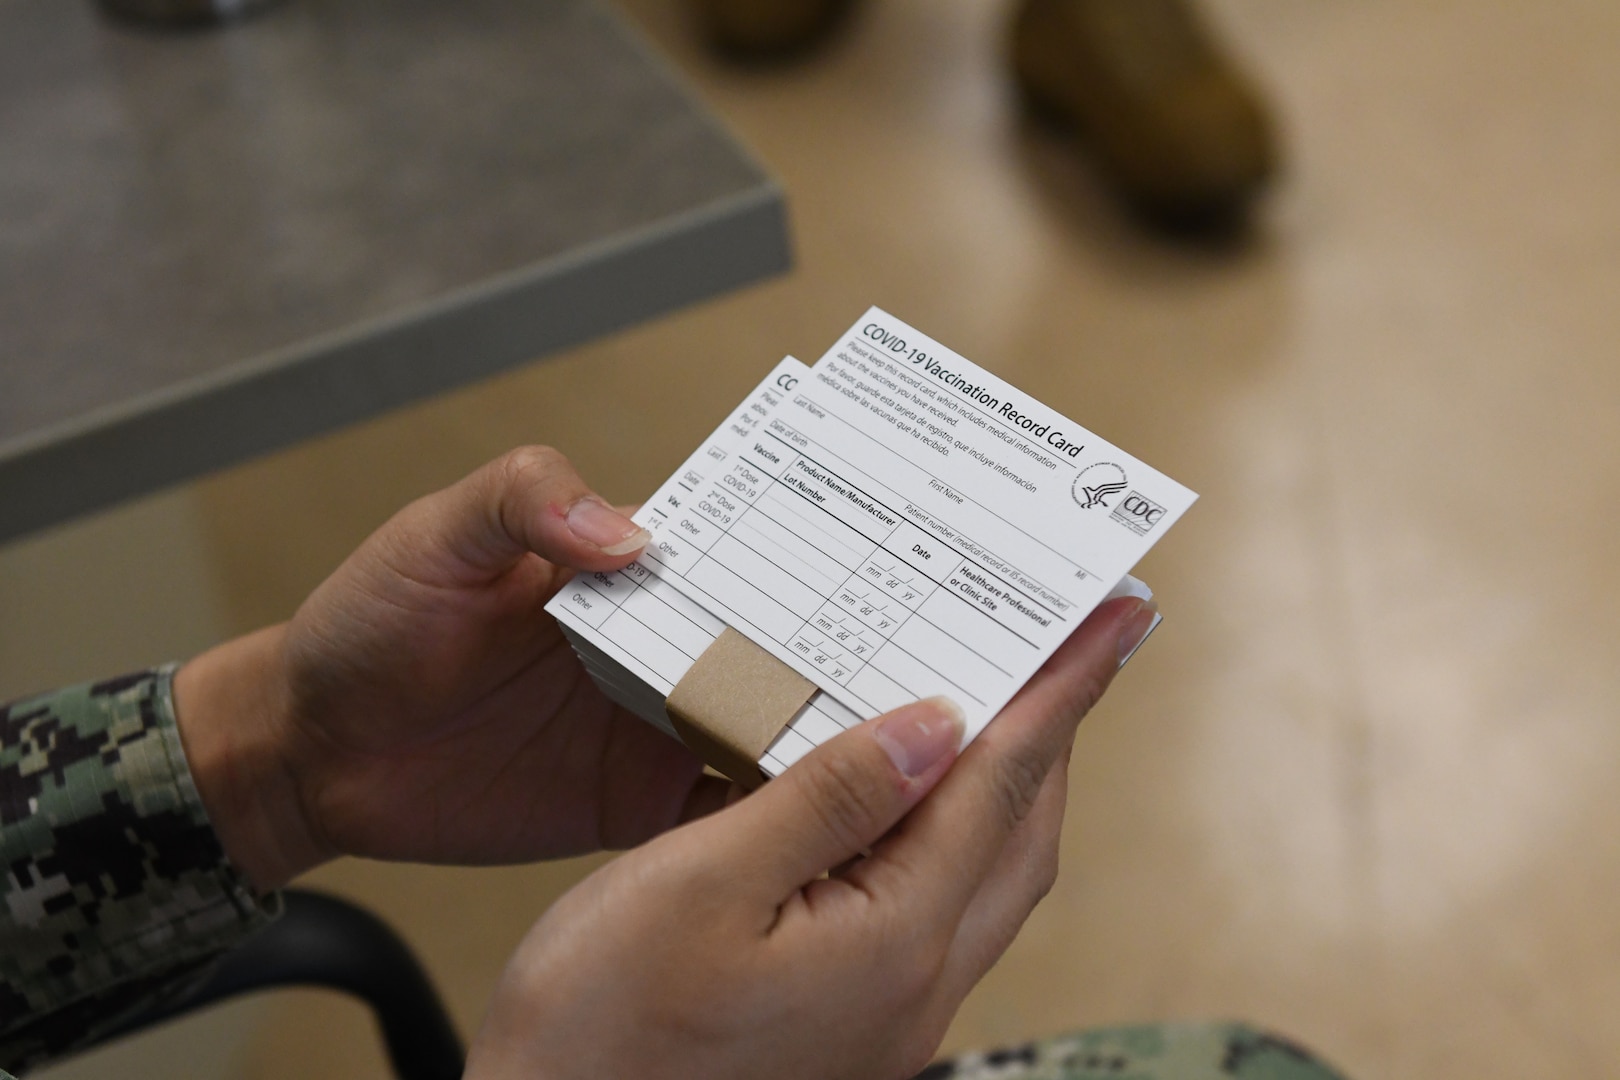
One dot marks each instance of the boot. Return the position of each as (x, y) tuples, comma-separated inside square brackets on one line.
[(768, 29), (1179, 132)]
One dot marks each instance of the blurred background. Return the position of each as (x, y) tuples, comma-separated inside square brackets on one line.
[(1363, 786)]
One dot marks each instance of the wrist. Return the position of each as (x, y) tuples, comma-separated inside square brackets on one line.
[(232, 707)]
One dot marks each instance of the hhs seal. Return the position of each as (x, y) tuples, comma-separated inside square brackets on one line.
[(1096, 482)]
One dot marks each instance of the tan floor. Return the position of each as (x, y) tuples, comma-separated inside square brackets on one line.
[(1363, 787)]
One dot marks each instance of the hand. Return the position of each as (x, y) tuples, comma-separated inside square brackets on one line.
[(720, 949), (421, 704)]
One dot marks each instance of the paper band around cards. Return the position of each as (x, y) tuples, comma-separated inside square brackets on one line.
[(733, 703)]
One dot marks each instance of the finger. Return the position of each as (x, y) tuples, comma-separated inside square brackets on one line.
[(840, 798), (709, 794), (951, 843), (528, 500), (1023, 874)]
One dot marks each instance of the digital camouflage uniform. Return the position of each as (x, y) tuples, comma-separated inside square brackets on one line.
[(1144, 1052), (117, 894), (118, 898)]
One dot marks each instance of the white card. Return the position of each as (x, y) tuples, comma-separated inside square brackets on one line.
[(901, 524)]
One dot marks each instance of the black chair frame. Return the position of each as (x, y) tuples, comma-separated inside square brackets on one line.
[(327, 942)]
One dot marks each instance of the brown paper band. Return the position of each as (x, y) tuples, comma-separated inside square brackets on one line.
[(733, 703)]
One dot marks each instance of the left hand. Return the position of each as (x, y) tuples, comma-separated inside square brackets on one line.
[(422, 705)]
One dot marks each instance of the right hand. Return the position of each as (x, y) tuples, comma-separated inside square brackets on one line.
[(725, 948)]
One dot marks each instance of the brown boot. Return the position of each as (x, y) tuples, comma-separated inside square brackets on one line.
[(1179, 131), (768, 29)]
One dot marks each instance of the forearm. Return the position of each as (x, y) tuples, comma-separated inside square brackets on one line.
[(117, 891)]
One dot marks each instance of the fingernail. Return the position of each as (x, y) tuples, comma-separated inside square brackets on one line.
[(597, 523), (1136, 628), (919, 736), (1130, 586)]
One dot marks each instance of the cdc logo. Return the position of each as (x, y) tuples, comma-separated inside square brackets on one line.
[(1137, 513)]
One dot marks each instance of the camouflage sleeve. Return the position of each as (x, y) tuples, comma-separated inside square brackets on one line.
[(117, 894), (1186, 1051)]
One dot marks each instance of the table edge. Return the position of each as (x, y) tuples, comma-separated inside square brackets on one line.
[(136, 447)]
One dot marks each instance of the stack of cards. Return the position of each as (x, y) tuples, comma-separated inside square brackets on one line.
[(892, 523)]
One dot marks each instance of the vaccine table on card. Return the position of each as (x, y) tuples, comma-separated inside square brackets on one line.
[(891, 523)]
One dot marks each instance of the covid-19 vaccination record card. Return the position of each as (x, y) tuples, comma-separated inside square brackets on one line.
[(892, 523)]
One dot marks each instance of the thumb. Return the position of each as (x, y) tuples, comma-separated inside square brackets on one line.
[(842, 797), (528, 500)]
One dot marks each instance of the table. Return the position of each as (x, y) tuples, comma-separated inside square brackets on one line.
[(215, 244)]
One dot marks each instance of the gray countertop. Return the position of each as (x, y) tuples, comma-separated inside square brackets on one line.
[(215, 243)]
